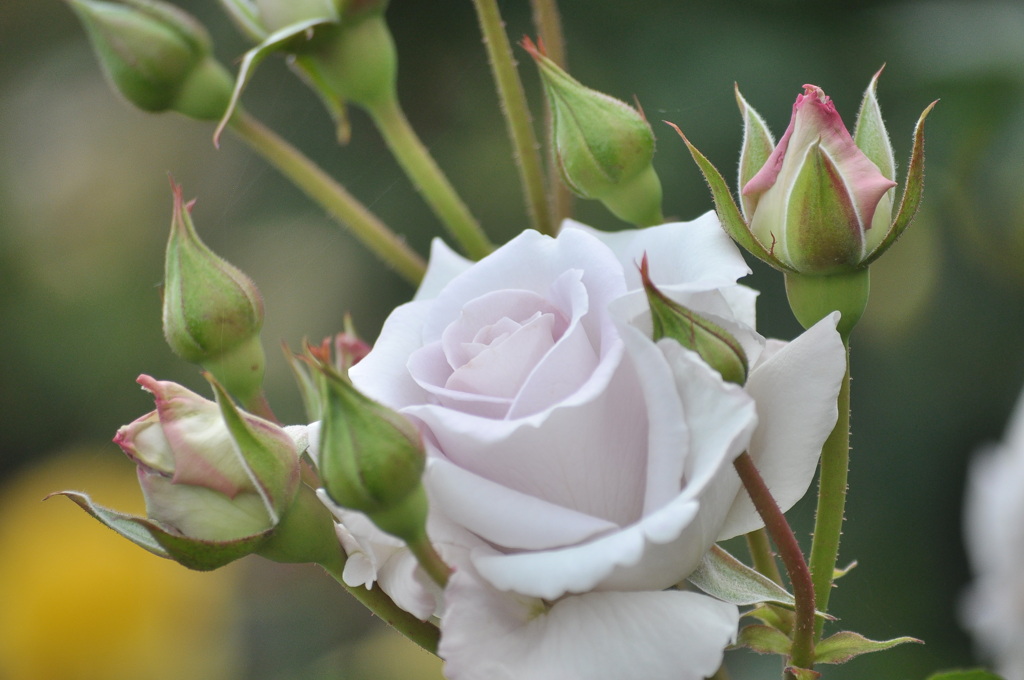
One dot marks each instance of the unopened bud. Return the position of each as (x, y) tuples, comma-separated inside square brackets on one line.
[(157, 56), (713, 343), (604, 147), (212, 311)]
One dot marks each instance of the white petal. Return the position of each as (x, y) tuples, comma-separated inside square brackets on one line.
[(610, 559), (382, 374), (796, 388), (445, 264), (670, 635), (698, 255), (507, 518)]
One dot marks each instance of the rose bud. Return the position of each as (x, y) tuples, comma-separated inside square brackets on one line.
[(371, 459), (212, 311), (349, 349), (157, 56), (603, 146), (217, 481), (818, 205), (714, 344)]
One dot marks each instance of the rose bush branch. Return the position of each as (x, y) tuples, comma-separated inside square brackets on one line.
[(526, 150), (802, 652), (326, 191)]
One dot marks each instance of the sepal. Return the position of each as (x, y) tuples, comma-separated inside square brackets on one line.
[(845, 645), (758, 144)]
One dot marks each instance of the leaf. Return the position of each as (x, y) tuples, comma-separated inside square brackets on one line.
[(974, 674), (252, 59), (146, 533), (726, 578), (776, 617), (764, 640), (802, 673), (846, 644), (839, 573)]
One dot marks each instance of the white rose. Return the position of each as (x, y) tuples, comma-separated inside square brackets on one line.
[(994, 535), (577, 469)]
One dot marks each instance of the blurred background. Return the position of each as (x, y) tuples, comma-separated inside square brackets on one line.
[(84, 212)]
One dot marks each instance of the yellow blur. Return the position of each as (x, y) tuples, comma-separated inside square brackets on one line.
[(78, 602)]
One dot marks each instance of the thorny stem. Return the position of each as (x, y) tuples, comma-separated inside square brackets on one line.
[(423, 633), (431, 182), (517, 114), (828, 520), (333, 197), (548, 22), (802, 651)]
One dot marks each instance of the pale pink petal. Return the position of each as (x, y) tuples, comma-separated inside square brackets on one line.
[(508, 518), (612, 561), (383, 374), (673, 635), (695, 255), (445, 264), (587, 454), (795, 387)]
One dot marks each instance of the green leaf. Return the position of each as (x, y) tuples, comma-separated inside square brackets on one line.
[(163, 542), (846, 644), (802, 673), (838, 573), (758, 145), (974, 674), (252, 59), (726, 578), (728, 213), (774, 616), (764, 640), (912, 192)]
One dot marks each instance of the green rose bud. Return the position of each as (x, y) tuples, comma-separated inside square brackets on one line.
[(371, 459), (156, 56), (212, 311), (604, 147), (713, 343)]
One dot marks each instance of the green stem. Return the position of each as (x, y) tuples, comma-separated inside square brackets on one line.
[(333, 197), (761, 553), (430, 561), (418, 164), (802, 652), (423, 633), (548, 22), (828, 520), (517, 113)]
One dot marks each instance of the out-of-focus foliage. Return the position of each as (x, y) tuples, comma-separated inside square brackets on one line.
[(84, 210)]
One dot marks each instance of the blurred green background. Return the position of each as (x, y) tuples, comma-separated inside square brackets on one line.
[(85, 207)]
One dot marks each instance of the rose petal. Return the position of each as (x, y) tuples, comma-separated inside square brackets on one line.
[(795, 387), (508, 518), (444, 265), (696, 255), (673, 635), (382, 374)]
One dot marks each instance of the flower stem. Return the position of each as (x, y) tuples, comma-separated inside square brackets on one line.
[(548, 22), (517, 114), (802, 651), (333, 197), (761, 553), (828, 519), (430, 561), (431, 182), (423, 633)]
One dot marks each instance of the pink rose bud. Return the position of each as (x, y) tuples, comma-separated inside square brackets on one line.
[(212, 311), (818, 205), (818, 194), (604, 146), (197, 472), (157, 56)]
